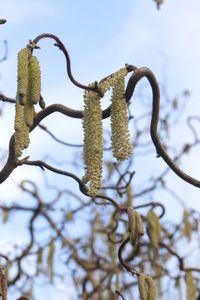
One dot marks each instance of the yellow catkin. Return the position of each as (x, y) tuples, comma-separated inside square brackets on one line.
[(22, 74), (187, 230), (101, 294), (112, 245), (33, 91), (4, 285), (135, 226), (34, 79), (21, 130), (29, 112), (50, 259), (159, 281), (5, 215), (139, 223), (110, 168), (121, 146), (93, 144), (132, 226), (190, 286), (39, 259), (129, 195), (117, 287), (179, 288), (151, 288), (153, 228), (143, 289)]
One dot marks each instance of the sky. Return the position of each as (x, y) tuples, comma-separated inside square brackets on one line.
[(101, 36)]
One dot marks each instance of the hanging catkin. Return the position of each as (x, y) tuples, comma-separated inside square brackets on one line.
[(21, 130), (50, 259), (4, 284), (153, 228), (132, 229), (146, 287), (187, 229), (93, 144), (121, 146), (151, 288), (190, 286), (135, 226), (35, 79), (143, 289), (28, 94), (22, 74), (33, 90)]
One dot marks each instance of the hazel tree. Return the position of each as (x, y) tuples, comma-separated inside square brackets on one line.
[(131, 249)]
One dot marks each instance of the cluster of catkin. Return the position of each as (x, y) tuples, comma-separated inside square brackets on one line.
[(92, 126), (136, 230), (146, 287), (28, 94), (135, 226)]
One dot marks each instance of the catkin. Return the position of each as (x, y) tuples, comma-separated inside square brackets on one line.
[(159, 280), (93, 144), (39, 259), (143, 289), (121, 146), (153, 228), (22, 74), (132, 229), (101, 294), (33, 90), (50, 258), (179, 288), (34, 79), (4, 285), (28, 94), (139, 223), (187, 230), (5, 215), (129, 195), (135, 226), (29, 111), (151, 288), (21, 130), (190, 286), (112, 243)]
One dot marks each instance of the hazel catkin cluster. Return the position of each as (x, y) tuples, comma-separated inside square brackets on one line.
[(93, 145), (146, 287), (28, 94), (92, 126), (135, 226)]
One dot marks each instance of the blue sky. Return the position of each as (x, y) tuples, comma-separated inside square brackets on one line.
[(101, 36)]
